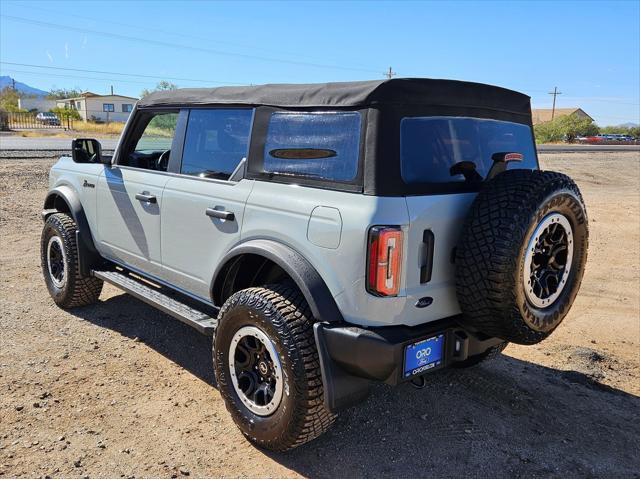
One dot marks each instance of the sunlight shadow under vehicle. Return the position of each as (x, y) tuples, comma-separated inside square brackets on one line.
[(506, 417)]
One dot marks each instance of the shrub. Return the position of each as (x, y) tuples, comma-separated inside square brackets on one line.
[(565, 128), (66, 113)]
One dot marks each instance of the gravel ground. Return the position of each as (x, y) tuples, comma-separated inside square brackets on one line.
[(119, 389)]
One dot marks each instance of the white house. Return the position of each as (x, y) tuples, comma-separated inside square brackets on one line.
[(38, 103), (92, 106)]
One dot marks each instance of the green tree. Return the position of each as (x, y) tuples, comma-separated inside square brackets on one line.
[(9, 99), (624, 130), (565, 128), (66, 113), (60, 93), (162, 85)]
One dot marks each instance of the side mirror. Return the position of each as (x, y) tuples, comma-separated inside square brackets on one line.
[(86, 150)]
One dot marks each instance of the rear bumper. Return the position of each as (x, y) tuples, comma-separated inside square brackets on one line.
[(352, 357)]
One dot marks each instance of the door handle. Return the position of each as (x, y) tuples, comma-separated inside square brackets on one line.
[(147, 198), (223, 215)]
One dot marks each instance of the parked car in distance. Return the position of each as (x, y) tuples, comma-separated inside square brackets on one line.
[(590, 139), (47, 118)]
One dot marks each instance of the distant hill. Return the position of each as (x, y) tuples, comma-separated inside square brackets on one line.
[(23, 88), (630, 125)]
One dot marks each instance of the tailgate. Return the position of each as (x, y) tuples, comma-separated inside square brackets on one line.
[(435, 223)]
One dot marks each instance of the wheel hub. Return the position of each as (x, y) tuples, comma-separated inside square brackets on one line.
[(548, 259), (56, 260), (256, 372)]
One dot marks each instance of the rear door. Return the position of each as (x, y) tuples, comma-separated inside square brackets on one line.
[(203, 208), (430, 147)]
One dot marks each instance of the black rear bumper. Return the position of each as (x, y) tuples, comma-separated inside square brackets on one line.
[(351, 357)]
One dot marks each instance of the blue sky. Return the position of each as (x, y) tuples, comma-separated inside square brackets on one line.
[(590, 50)]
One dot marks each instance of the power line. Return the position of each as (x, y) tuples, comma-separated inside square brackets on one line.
[(177, 45), (11, 70), (155, 77), (167, 32)]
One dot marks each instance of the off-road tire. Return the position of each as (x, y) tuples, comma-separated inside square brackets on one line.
[(282, 313), (490, 257), (77, 290), (491, 353)]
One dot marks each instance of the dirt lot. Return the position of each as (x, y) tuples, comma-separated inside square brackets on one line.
[(121, 390)]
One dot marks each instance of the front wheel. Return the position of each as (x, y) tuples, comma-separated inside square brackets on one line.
[(267, 367), (59, 260)]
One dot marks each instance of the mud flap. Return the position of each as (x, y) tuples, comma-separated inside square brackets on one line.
[(341, 389)]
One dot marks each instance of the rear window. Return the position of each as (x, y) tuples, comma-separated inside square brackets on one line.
[(430, 146), (322, 145)]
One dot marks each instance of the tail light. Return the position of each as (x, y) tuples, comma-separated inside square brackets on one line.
[(385, 260)]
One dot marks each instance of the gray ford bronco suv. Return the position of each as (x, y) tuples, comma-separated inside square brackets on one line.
[(326, 235)]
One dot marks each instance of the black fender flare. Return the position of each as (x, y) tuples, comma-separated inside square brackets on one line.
[(301, 271), (87, 253)]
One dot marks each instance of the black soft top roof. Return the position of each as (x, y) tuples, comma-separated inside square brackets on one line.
[(400, 91)]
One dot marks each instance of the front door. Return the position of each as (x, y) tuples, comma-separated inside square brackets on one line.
[(202, 209), (129, 195)]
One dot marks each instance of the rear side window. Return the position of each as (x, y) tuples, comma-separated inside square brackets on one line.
[(430, 146), (322, 145), (215, 142)]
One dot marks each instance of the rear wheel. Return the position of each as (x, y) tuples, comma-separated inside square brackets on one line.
[(267, 367), (522, 254), (59, 260)]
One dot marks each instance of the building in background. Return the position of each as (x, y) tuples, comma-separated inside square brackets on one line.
[(36, 103), (543, 115), (92, 106)]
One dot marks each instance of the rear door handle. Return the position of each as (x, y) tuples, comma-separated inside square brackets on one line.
[(147, 198), (223, 215)]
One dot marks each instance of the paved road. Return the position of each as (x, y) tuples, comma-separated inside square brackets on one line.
[(47, 144)]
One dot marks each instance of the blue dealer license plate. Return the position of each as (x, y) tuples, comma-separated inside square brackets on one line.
[(424, 355)]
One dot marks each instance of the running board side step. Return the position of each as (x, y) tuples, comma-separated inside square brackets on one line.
[(154, 296)]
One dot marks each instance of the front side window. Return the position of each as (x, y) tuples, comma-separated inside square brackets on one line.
[(150, 147), (430, 146), (108, 107), (323, 145), (215, 142), (157, 136)]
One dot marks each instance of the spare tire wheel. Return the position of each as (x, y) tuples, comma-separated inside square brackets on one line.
[(521, 255)]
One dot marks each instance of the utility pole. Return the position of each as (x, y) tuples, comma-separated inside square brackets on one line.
[(389, 74), (111, 90), (555, 93)]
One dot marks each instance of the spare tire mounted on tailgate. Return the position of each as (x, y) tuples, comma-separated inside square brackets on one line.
[(522, 255)]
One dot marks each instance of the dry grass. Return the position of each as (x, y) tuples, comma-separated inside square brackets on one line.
[(81, 128), (113, 128)]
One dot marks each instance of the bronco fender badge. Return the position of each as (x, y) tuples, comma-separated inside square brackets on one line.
[(424, 302)]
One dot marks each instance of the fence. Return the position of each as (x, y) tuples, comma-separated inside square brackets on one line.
[(34, 121)]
